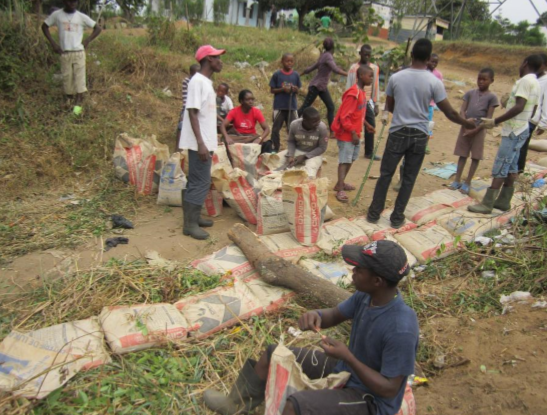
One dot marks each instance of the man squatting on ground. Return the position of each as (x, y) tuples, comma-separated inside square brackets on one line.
[(409, 93), (70, 23), (520, 107), (308, 140), (199, 136), (381, 353)]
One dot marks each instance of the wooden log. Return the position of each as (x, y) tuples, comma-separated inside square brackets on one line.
[(279, 272)]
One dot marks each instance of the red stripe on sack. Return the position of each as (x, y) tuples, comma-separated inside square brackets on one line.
[(315, 213), (133, 156), (463, 202), (299, 215), (147, 177), (136, 339), (427, 211), (281, 384), (431, 253)]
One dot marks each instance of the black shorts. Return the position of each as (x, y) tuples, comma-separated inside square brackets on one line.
[(347, 401)]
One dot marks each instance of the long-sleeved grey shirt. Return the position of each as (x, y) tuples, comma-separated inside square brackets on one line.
[(312, 142)]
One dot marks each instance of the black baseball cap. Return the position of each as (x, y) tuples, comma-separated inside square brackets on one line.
[(386, 258)]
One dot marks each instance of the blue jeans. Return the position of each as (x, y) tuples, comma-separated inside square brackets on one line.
[(507, 159), (409, 143)]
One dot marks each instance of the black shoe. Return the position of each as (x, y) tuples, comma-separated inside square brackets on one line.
[(397, 225), (371, 220), (376, 158)]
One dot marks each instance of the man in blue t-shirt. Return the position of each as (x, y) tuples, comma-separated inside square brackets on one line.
[(381, 352), (285, 84)]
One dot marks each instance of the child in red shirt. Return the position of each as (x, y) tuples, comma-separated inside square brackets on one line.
[(347, 128)]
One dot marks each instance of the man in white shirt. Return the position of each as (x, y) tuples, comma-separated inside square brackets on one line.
[(522, 101), (70, 23), (199, 136)]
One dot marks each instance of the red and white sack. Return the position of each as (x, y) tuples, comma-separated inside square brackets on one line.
[(82, 338), (478, 189), (268, 162), (245, 157), (139, 161), (285, 246), (467, 225), (535, 170), (332, 271), (220, 160), (428, 242), (271, 214), (219, 308), (172, 182), (408, 406), (213, 204), (286, 377), (450, 197), (379, 230), (138, 327), (340, 232), (228, 260), (237, 192), (422, 210), (304, 201), (270, 297)]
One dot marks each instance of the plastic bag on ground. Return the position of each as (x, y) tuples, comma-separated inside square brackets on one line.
[(304, 201), (424, 209), (139, 327), (139, 161), (213, 204), (237, 192), (285, 246), (428, 242), (172, 182), (228, 260), (379, 230), (340, 232)]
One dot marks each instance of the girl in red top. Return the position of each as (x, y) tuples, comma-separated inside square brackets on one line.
[(347, 128), (243, 120)]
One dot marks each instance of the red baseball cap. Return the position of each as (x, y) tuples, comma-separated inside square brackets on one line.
[(208, 50)]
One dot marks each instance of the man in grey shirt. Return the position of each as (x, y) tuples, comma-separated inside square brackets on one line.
[(409, 93), (308, 139)]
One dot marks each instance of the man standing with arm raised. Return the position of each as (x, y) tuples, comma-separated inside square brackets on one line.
[(199, 136), (409, 93)]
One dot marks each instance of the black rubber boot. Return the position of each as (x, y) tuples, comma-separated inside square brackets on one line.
[(503, 202), (203, 223), (246, 394), (191, 227)]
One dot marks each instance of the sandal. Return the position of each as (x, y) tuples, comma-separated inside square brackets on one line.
[(348, 187), (454, 185), (464, 189), (342, 197)]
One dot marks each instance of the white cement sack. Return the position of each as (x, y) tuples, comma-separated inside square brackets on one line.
[(172, 182), (237, 192), (451, 197), (245, 157), (219, 308), (83, 339), (412, 261), (228, 260), (268, 162), (272, 298), (286, 377), (32, 369), (330, 271), (138, 327), (271, 180), (213, 204), (285, 246), (220, 160), (270, 214), (379, 230), (421, 210), (467, 225), (304, 202), (139, 161), (427, 242), (341, 232), (478, 189), (538, 145), (535, 170)]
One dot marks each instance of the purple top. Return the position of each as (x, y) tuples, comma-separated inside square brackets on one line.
[(324, 65)]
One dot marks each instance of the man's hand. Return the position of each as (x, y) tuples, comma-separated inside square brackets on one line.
[(472, 132), (203, 152), (229, 140), (376, 110), (290, 162), (354, 138), (85, 43), (539, 131), (310, 321), (294, 89), (335, 349), (299, 159), (369, 128), (488, 123), (385, 117), (287, 88), (57, 49)]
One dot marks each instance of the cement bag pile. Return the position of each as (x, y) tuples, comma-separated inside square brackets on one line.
[(228, 260), (421, 210), (334, 272), (33, 369), (478, 189), (379, 230), (468, 225), (213, 203), (172, 182), (139, 161), (452, 198), (272, 298), (538, 145), (237, 192), (271, 214), (269, 162), (285, 246), (339, 232), (220, 160), (139, 327), (427, 242), (304, 201), (245, 157)]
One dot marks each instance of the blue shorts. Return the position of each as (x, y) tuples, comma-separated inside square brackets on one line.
[(508, 155), (347, 152)]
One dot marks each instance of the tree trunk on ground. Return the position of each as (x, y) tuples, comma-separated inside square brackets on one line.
[(279, 272)]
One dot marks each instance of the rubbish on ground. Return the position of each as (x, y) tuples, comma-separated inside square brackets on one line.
[(483, 368), (114, 242), (541, 215), (440, 361), (420, 268), (483, 240), (538, 183), (516, 297), (294, 332), (118, 221), (505, 238), (155, 259), (167, 92), (70, 196), (488, 274), (242, 65), (444, 171), (540, 304)]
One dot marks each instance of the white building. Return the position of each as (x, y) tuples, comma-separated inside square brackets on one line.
[(237, 13)]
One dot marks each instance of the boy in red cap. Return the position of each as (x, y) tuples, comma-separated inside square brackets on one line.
[(380, 356), (199, 136)]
